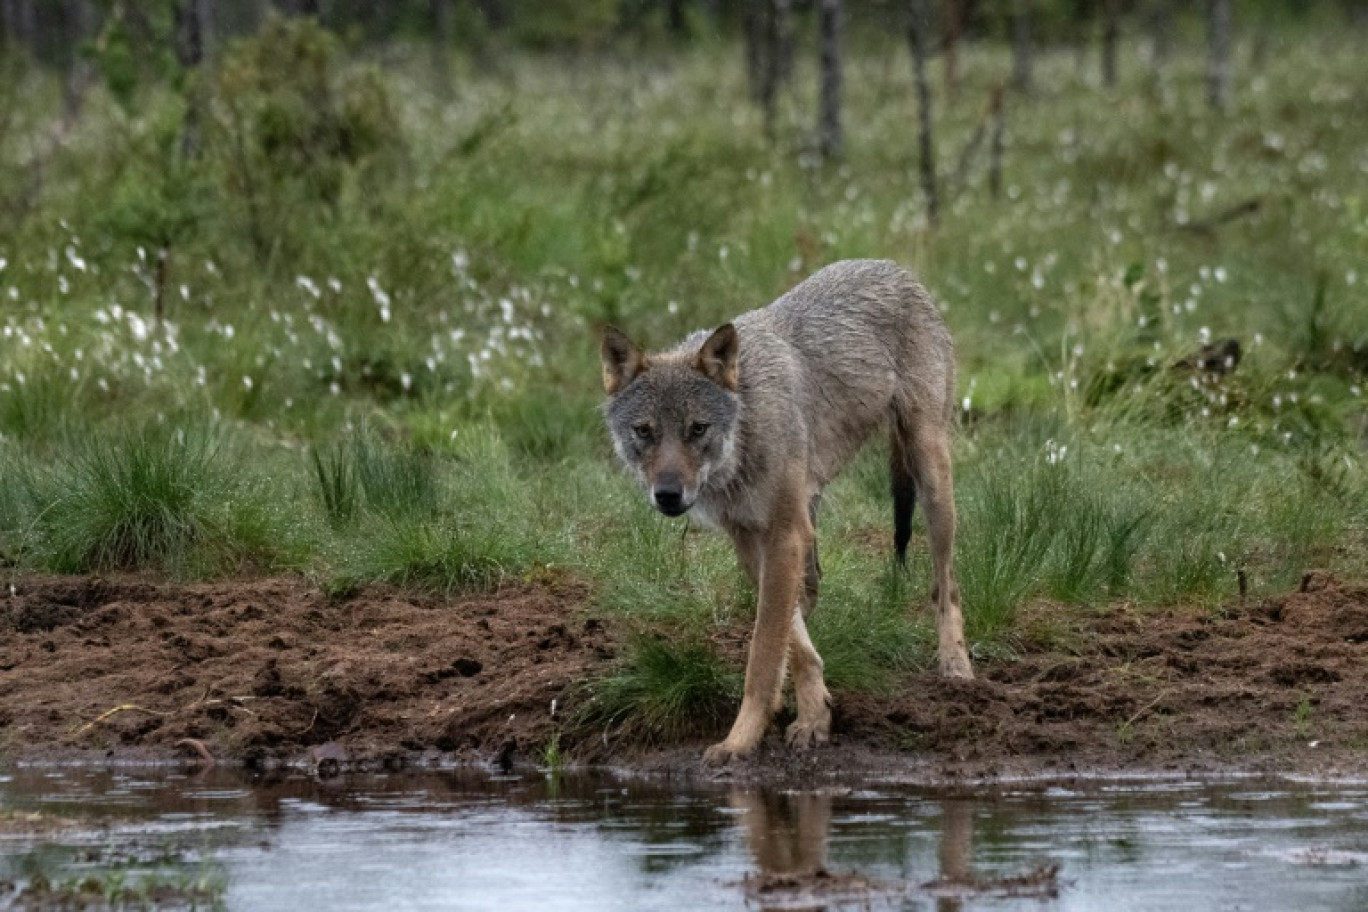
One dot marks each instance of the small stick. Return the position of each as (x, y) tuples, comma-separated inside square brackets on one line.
[(127, 707), (1239, 210), (1146, 708)]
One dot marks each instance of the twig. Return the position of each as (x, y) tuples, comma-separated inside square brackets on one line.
[(127, 707), (310, 726), (159, 301), (1239, 210), (1146, 708)]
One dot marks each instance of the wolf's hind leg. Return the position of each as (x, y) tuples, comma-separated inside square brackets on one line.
[(925, 445)]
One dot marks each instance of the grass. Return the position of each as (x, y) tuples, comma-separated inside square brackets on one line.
[(393, 377), (135, 500), (664, 691)]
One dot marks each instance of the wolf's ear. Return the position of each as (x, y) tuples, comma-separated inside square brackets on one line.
[(716, 360), (622, 361)]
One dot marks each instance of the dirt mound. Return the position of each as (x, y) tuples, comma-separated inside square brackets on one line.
[(274, 668), (269, 667), (1267, 684)]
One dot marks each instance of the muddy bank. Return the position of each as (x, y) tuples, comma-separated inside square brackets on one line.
[(267, 669), (273, 669)]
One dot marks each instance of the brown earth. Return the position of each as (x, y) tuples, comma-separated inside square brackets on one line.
[(274, 669)]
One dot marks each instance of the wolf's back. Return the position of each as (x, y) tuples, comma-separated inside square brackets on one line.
[(855, 322)]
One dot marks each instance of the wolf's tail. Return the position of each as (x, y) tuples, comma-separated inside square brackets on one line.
[(904, 502)]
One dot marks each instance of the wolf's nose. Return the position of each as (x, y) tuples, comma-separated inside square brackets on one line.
[(669, 497)]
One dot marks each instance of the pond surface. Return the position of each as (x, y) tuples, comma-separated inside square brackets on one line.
[(461, 840)]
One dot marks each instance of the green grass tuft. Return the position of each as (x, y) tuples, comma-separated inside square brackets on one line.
[(1010, 520), (339, 490), (138, 500), (665, 691), (398, 480)]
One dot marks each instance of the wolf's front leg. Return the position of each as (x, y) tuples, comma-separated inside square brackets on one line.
[(781, 578)]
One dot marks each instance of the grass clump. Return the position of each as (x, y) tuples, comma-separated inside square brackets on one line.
[(339, 490), (398, 481), (1009, 529), (138, 500), (665, 691)]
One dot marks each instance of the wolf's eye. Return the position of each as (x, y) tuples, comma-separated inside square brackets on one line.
[(643, 432), (698, 429)]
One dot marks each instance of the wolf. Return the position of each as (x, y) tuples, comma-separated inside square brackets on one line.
[(744, 426)]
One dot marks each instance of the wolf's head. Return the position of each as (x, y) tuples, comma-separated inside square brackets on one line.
[(672, 415)]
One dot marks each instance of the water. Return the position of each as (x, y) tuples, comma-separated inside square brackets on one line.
[(459, 840)]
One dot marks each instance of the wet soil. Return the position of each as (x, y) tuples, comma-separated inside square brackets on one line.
[(274, 669)]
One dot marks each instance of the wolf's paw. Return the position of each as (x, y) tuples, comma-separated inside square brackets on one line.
[(802, 735), (956, 665), (723, 753)]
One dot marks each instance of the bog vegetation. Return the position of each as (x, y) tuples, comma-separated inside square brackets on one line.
[(345, 325)]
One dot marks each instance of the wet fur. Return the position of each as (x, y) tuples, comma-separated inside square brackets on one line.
[(787, 395)]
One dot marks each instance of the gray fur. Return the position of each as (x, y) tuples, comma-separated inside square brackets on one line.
[(745, 426), (820, 369)]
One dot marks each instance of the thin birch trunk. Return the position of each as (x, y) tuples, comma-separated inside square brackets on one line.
[(1218, 64), (1161, 35), (999, 127), (829, 139), (954, 26), (441, 46), (1111, 33), (917, 27), (1021, 45), (783, 41), (80, 23), (190, 28)]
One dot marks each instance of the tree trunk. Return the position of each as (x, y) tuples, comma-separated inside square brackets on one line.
[(1218, 64), (676, 22), (754, 33), (189, 34), (918, 26), (783, 41), (189, 24), (769, 54), (16, 23), (1021, 45), (1111, 30), (495, 14), (204, 12), (954, 27), (300, 8), (1161, 34), (9, 20), (999, 127), (769, 72), (829, 138), (441, 46), (80, 26)]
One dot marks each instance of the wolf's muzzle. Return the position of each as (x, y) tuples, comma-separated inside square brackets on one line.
[(668, 496)]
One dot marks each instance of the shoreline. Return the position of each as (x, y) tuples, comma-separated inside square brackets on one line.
[(271, 673)]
